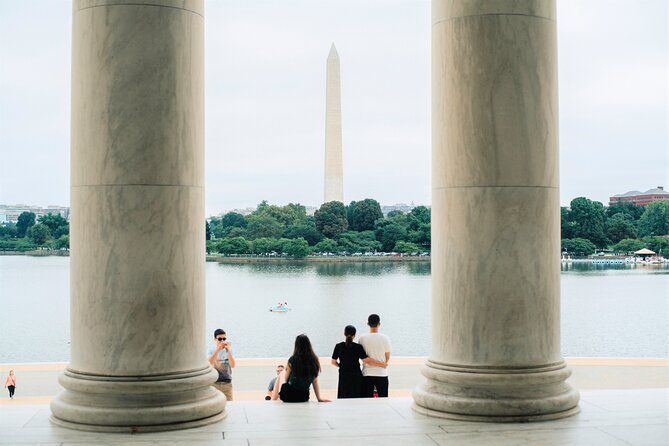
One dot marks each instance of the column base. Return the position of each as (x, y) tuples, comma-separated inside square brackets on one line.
[(496, 394), (99, 403)]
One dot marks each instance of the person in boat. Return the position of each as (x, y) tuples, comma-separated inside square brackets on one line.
[(346, 357), (301, 372)]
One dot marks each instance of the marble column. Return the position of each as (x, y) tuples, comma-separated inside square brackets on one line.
[(334, 170), (138, 358), (495, 215)]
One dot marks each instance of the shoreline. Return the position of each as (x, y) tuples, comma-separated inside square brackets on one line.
[(318, 259), (244, 259)]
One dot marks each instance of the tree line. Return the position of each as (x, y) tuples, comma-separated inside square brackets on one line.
[(49, 231), (359, 227), (623, 227)]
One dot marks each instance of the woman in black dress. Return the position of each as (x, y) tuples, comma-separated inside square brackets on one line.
[(346, 357)]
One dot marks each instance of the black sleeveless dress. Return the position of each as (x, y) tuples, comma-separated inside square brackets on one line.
[(350, 376)]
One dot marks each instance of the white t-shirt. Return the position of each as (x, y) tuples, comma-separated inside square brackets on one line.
[(376, 345)]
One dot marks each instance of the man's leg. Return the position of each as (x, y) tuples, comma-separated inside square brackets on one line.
[(382, 386), (367, 387), (225, 389)]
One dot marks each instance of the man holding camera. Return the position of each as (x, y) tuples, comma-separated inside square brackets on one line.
[(223, 361)]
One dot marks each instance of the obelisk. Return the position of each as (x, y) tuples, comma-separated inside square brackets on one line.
[(334, 176)]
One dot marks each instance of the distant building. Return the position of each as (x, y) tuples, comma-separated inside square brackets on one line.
[(403, 207), (641, 198), (10, 213)]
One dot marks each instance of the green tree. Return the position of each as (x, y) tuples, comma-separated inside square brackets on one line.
[(297, 248), (290, 214), (207, 230), (25, 221), (589, 220), (233, 220), (39, 233), (263, 245), (62, 242), (54, 222), (389, 233), (419, 216), (422, 235), (362, 215), (658, 244), (264, 225), (625, 207), (628, 246), (655, 219), (566, 226), (235, 232), (326, 245), (7, 230), (395, 214), (619, 227), (330, 219), (353, 241), (216, 227), (406, 247), (578, 246), (236, 245), (306, 230)]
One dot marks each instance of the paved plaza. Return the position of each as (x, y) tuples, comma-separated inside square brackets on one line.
[(623, 402)]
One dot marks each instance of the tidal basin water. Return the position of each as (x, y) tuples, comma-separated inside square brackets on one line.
[(606, 310)]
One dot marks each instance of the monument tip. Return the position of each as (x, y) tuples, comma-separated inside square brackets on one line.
[(333, 52)]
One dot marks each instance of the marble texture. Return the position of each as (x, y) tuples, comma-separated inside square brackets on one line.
[(450, 9), (137, 239), (495, 216), (496, 121), (137, 96), (334, 170)]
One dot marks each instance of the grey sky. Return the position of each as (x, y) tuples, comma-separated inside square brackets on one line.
[(265, 99)]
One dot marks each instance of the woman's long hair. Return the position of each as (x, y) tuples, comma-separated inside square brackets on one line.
[(349, 332), (304, 362)]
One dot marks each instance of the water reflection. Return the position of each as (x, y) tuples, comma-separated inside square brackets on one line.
[(662, 268), (331, 269)]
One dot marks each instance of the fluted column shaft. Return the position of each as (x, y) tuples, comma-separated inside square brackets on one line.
[(495, 215), (137, 232)]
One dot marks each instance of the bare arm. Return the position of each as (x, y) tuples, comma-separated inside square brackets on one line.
[(317, 391), (334, 362), (212, 358), (282, 378), (231, 358), (374, 362)]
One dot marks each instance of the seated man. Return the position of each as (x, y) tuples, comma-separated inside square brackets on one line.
[(270, 388)]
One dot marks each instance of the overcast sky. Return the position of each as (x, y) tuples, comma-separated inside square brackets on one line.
[(265, 99)]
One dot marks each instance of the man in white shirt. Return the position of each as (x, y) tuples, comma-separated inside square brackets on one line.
[(377, 346)]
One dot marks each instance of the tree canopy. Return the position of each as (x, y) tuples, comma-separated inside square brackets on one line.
[(330, 219)]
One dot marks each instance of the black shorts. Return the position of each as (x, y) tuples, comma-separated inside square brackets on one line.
[(290, 394)]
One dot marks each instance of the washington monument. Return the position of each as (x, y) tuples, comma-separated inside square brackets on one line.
[(334, 176)]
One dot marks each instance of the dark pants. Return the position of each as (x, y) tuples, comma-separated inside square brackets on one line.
[(11, 390), (368, 384)]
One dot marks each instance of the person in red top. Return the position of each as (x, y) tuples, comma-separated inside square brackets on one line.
[(11, 383)]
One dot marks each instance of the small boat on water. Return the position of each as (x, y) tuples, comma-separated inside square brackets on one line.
[(279, 309)]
